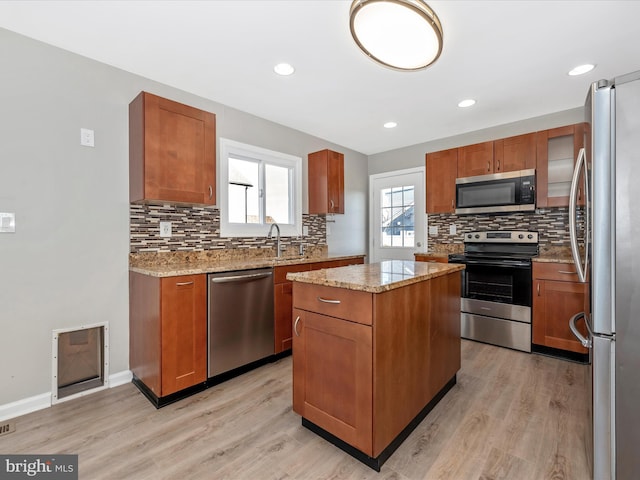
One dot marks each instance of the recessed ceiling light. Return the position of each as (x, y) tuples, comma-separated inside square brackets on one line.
[(467, 103), (390, 125), (283, 69), (580, 69)]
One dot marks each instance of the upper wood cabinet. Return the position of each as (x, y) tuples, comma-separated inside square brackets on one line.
[(326, 182), (442, 168), (514, 153), (172, 151), (504, 155), (557, 152)]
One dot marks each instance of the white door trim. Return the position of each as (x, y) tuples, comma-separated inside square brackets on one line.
[(372, 204)]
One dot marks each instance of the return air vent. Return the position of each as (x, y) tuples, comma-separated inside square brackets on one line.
[(80, 361)]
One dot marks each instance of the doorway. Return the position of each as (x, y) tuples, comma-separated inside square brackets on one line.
[(397, 215)]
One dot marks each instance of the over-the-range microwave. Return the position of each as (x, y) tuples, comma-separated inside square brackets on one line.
[(497, 193)]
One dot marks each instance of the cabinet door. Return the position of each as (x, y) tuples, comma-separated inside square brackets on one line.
[(475, 159), (283, 303), (557, 151), (515, 153), (554, 303), (326, 182), (332, 376), (442, 168), (335, 182), (184, 332), (172, 151), (431, 258)]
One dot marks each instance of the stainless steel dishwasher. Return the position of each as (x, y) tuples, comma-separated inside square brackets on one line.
[(240, 314)]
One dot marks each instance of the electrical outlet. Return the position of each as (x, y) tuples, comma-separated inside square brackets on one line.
[(433, 230), (305, 230), (87, 137), (165, 229), (452, 229)]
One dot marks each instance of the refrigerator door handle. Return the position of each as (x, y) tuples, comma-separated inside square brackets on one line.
[(581, 266), (586, 342)]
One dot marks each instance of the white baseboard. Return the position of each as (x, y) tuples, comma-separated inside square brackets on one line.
[(38, 402)]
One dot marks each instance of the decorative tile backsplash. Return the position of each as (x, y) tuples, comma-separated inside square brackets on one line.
[(552, 225), (198, 229)]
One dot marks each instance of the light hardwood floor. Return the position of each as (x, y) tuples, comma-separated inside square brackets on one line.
[(511, 415)]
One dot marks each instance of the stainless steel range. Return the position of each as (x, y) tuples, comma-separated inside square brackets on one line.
[(496, 287)]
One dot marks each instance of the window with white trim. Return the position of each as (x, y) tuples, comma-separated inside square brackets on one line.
[(258, 187)]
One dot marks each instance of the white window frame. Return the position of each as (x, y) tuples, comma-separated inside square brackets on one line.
[(242, 150)]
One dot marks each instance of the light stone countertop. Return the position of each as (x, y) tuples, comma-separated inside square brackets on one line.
[(217, 266), (554, 255), (376, 277)]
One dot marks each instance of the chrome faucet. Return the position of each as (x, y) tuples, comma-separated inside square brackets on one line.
[(270, 234)]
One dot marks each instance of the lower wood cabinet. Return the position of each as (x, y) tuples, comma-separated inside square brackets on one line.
[(557, 296), (425, 257), (283, 301), (168, 332)]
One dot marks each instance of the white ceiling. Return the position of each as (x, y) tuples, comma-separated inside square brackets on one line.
[(511, 56)]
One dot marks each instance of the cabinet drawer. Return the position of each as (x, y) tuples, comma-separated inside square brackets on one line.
[(280, 273), (563, 272), (349, 305), (431, 258)]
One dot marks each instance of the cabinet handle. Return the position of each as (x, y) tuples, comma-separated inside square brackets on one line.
[(579, 193), (538, 288), (567, 272), (182, 284), (498, 165), (452, 205), (332, 204), (295, 326), (326, 300), (210, 192), (488, 166)]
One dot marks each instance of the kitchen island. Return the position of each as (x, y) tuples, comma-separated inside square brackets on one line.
[(375, 347)]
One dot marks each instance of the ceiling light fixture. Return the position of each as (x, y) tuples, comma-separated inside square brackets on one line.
[(390, 125), (467, 103), (283, 69), (400, 34), (581, 69)]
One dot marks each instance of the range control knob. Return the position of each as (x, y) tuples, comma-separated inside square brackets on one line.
[(469, 236), (477, 236), (521, 236), (530, 236)]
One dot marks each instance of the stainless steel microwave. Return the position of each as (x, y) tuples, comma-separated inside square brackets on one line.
[(497, 193)]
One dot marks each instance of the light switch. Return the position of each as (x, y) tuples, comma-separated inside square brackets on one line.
[(86, 137), (433, 229), (165, 229), (305, 230), (452, 229), (7, 222)]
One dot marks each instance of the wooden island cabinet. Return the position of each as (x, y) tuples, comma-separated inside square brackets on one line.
[(375, 347)]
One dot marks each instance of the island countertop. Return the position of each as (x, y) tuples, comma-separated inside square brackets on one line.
[(376, 277)]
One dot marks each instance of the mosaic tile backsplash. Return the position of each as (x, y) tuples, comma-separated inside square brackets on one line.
[(552, 225), (198, 229)]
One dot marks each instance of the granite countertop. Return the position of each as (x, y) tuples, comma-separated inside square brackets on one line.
[(376, 277), (554, 255), (433, 254), (195, 267)]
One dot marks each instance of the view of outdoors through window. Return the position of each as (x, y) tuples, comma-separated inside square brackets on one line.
[(397, 213), (258, 192)]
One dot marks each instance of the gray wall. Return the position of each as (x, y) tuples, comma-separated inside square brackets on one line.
[(414, 156), (67, 263)]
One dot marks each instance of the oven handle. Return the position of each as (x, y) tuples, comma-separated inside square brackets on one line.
[(505, 264)]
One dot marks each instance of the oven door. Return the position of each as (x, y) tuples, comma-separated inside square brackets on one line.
[(501, 281)]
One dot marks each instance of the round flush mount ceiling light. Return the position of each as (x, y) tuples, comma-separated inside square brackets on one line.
[(581, 69), (283, 69), (400, 34), (390, 125), (467, 103)]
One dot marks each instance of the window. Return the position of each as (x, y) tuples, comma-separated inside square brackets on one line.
[(258, 187), (397, 216)]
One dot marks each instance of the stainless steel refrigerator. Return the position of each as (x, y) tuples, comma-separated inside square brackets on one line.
[(605, 238)]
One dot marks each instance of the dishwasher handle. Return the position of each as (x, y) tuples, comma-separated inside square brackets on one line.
[(241, 278)]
